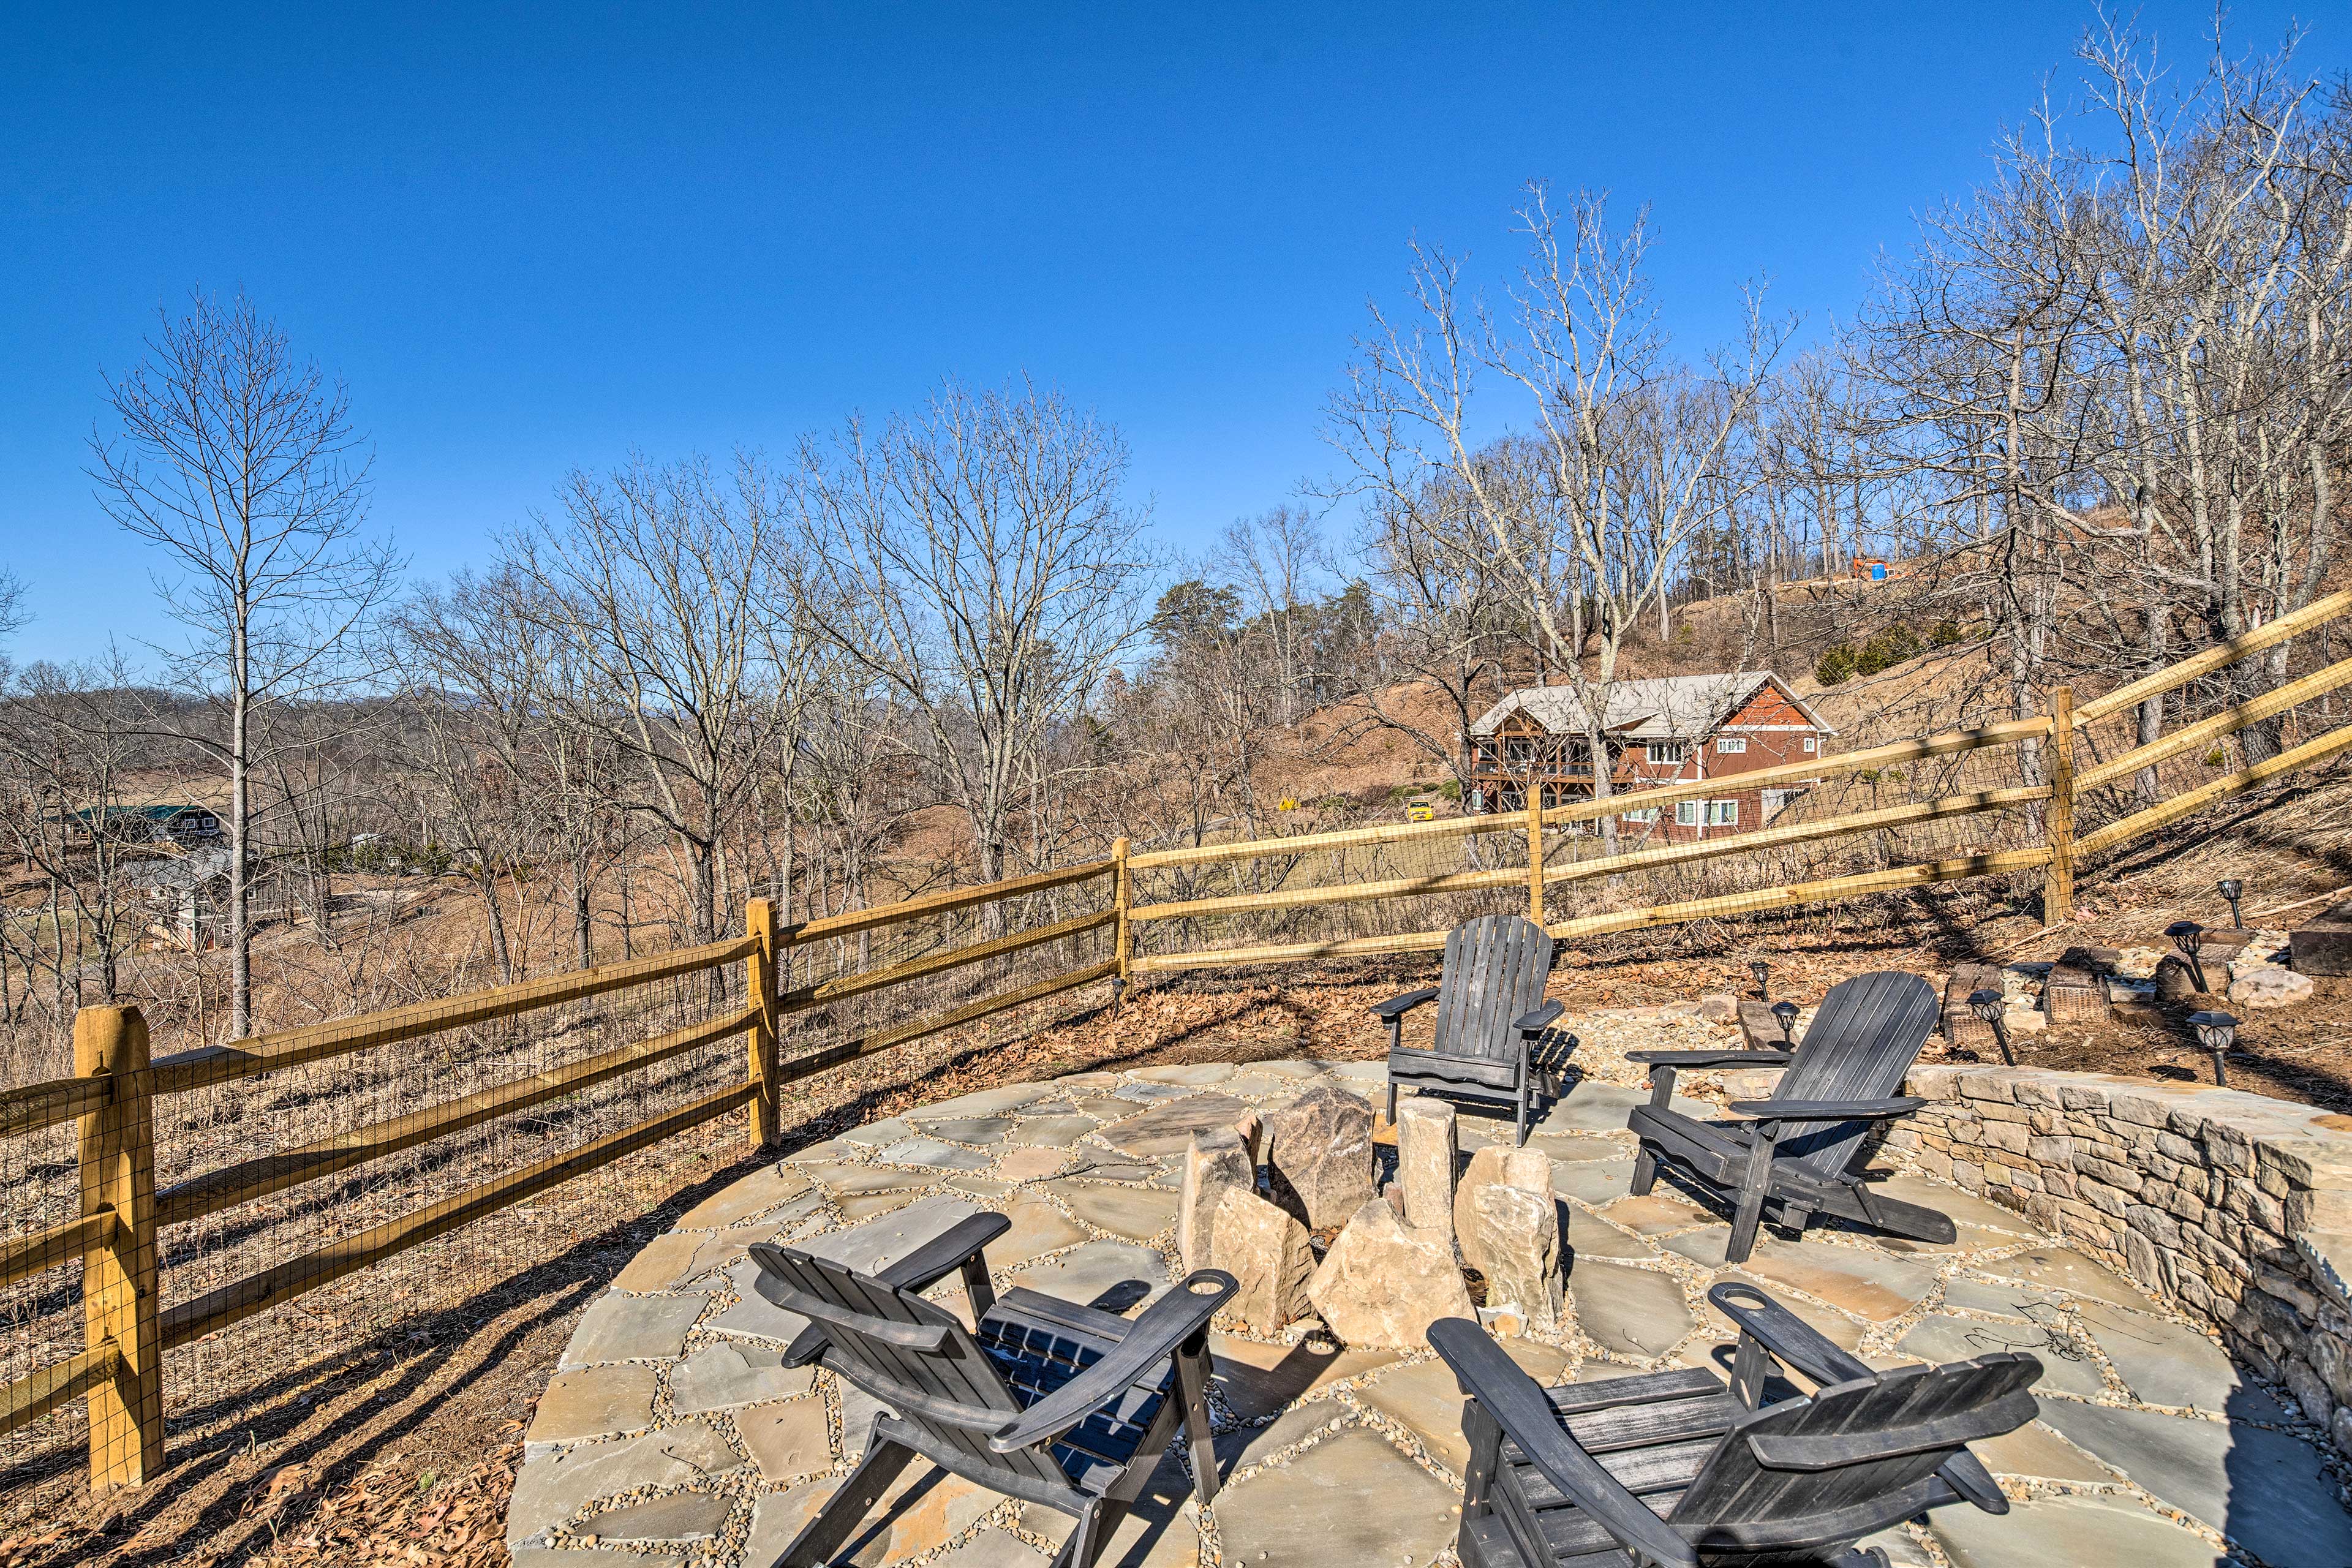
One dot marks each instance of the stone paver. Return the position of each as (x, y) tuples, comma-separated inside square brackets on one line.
[(751, 1198), (931, 1151), (722, 1375), (1865, 1282), (1632, 1311), (1166, 1129), (1654, 1213), (2263, 1490), (1136, 1212), (1310, 1433), (553, 1487), (1116, 1275), (1053, 1131), (983, 1130), (2168, 1363), (2064, 1364), (1425, 1400), (1349, 1498), (788, 1439), (1258, 1380), (2066, 1531), (673, 1521), (594, 1401), (2063, 1268), (620, 1326)]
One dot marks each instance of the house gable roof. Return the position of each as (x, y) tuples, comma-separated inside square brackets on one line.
[(1666, 708)]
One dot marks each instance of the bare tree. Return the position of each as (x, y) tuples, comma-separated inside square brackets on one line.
[(1636, 448), (983, 561), (668, 587), (240, 464)]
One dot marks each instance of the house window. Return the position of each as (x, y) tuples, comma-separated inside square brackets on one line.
[(1731, 745), (1722, 814), (1665, 753), (1775, 801), (1648, 814), (1689, 813), (1812, 744)]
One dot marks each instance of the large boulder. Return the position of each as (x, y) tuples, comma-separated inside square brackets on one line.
[(1494, 1165), (1321, 1148), (1217, 1158), (1518, 1233), (1264, 1248), (1383, 1284), (1425, 1160)]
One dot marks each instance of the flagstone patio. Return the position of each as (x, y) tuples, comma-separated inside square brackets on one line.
[(673, 1437)]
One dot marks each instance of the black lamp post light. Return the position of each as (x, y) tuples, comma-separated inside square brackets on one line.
[(2234, 889), (2188, 936), (1992, 1007), (1763, 973), (1787, 1012), (2215, 1031)]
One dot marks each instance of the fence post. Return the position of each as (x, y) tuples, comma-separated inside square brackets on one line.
[(760, 986), (1535, 851), (1120, 899), (119, 1276), (2058, 882)]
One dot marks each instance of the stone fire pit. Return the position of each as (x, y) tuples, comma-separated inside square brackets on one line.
[(672, 1437)]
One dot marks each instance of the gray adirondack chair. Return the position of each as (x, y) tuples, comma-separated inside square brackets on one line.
[(1491, 1012), (1045, 1400), (1804, 1152), (1676, 1468)]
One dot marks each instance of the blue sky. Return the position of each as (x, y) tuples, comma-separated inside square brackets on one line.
[(534, 239)]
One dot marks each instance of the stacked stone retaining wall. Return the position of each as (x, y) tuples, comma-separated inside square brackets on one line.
[(2235, 1208)]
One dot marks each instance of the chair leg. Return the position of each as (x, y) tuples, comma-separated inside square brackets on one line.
[(1485, 1440), (1192, 1387), (1392, 1096), (1796, 1217), (1519, 1139), (1086, 1541), (826, 1534), (1752, 1190), (1645, 1172)]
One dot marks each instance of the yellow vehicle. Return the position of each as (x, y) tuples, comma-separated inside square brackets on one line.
[(1420, 811)]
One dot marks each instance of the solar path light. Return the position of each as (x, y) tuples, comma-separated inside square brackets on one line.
[(1992, 1009), (1763, 973), (2188, 936), (2215, 1031), (2233, 890), (1787, 1012)]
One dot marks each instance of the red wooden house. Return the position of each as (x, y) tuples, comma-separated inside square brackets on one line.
[(1673, 729)]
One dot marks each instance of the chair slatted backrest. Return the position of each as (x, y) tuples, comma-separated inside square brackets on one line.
[(911, 1354), (1862, 1041), (1853, 1458), (1495, 971)]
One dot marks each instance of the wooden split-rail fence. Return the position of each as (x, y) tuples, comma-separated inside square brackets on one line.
[(116, 1086)]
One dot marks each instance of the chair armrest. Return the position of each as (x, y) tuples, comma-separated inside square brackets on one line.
[(1794, 1342), (1825, 1110), (944, 1253), (1541, 1018), (1396, 1007), (1517, 1405), (918, 1270), (1712, 1058), (1791, 1340), (1165, 1325)]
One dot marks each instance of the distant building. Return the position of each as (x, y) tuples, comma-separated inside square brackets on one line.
[(1673, 729), (184, 824), (187, 899)]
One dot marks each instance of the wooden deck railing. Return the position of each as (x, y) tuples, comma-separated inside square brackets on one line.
[(127, 1329)]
